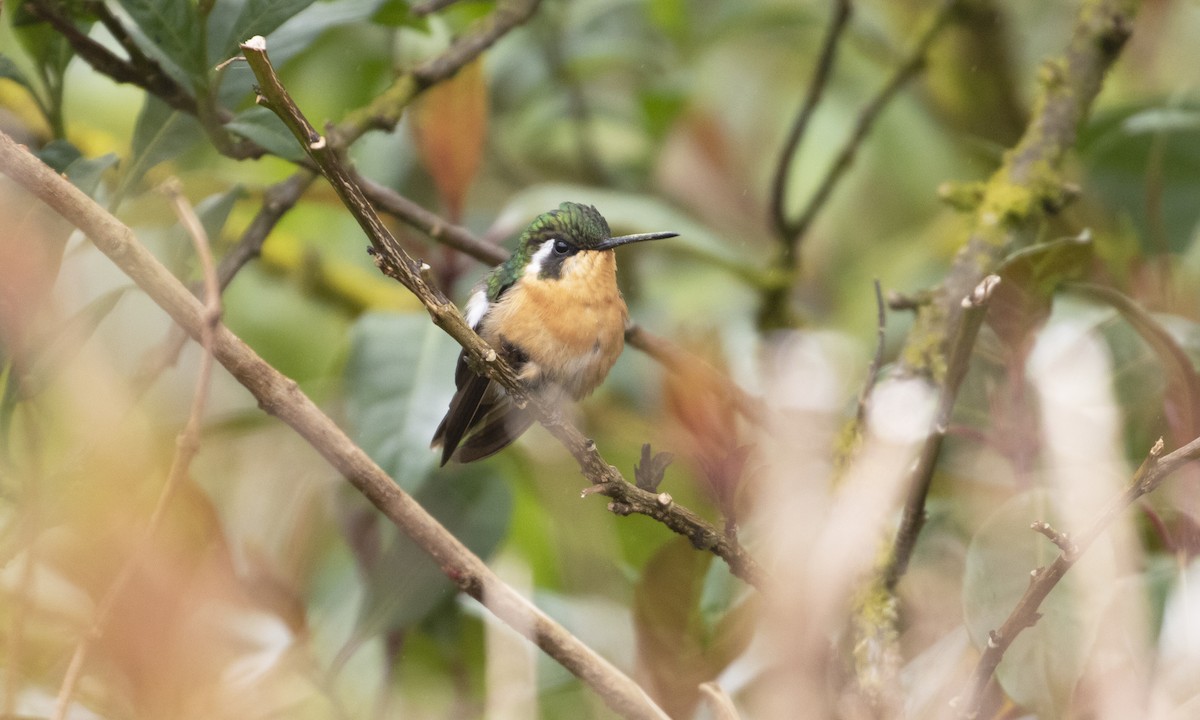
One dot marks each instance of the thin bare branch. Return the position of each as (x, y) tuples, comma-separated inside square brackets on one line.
[(868, 387), (282, 397), (277, 201), (187, 445), (838, 21), (904, 72), (1153, 471)]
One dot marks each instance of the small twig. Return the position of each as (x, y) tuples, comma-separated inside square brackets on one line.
[(187, 445), (719, 703), (1061, 540), (1152, 472), (868, 387), (838, 21), (921, 476)]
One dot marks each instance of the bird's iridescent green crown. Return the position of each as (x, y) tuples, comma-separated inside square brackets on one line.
[(581, 225)]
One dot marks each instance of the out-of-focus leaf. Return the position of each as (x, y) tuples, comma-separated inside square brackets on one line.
[(1021, 303), (48, 48), (265, 128), (161, 134), (9, 70), (86, 173), (1041, 668), (399, 380), (173, 27), (403, 583), (59, 154), (660, 108), (1144, 161), (213, 213), (63, 343), (1182, 397), (450, 124), (680, 643), (395, 13)]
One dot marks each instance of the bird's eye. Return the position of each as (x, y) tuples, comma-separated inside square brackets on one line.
[(561, 247)]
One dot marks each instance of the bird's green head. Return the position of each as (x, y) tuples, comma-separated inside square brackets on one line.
[(554, 237)]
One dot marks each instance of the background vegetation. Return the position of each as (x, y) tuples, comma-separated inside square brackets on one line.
[(252, 581)]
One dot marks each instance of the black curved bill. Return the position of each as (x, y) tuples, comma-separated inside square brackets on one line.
[(626, 239)]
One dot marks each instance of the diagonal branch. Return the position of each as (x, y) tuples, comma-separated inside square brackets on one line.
[(1153, 471), (394, 262), (282, 397)]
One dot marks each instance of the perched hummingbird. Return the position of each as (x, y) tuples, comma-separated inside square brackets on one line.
[(552, 310)]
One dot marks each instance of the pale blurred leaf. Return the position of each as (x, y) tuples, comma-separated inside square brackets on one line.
[(1041, 668)]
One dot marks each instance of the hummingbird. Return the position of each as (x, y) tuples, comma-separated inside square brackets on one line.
[(554, 312)]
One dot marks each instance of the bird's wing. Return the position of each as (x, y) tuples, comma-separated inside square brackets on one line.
[(464, 409)]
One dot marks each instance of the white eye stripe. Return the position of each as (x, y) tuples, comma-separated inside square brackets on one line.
[(534, 268)]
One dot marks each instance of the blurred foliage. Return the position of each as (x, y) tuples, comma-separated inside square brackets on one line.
[(274, 591)]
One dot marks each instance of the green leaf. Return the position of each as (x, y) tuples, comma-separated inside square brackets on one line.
[(173, 27), (1143, 161), (266, 129), (687, 633), (295, 36), (86, 173), (59, 154), (9, 70), (400, 379), (161, 134), (250, 18), (1041, 668)]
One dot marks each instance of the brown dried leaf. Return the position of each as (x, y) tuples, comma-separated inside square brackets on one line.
[(450, 126)]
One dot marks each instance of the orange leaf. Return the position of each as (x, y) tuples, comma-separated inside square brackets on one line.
[(450, 125)]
